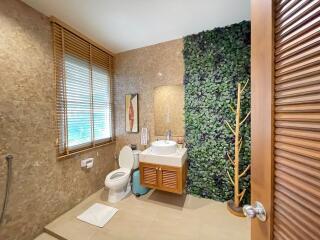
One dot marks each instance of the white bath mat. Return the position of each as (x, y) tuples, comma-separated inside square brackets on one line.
[(98, 214)]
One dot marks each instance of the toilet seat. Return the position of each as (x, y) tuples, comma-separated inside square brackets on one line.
[(118, 177), (116, 174)]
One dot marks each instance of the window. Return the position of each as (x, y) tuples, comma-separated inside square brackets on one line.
[(83, 75)]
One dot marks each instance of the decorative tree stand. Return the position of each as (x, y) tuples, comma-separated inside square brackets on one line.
[(234, 205)]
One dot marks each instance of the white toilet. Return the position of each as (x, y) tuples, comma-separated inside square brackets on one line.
[(118, 181)]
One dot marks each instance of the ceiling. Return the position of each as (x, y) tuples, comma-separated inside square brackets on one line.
[(121, 25)]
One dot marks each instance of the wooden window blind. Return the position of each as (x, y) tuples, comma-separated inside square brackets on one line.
[(83, 74)]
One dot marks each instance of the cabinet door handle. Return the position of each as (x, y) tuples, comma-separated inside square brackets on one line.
[(160, 169)]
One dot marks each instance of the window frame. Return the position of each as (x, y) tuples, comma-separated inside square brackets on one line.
[(71, 150)]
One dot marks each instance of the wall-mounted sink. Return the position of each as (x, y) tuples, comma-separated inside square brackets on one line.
[(163, 147)]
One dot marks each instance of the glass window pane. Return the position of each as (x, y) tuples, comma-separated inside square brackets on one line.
[(101, 104), (78, 101)]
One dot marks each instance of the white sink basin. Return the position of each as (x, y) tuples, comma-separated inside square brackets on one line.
[(163, 147)]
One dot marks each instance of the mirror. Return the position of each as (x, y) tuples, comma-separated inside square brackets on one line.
[(169, 110)]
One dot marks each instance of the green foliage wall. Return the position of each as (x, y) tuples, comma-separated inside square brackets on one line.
[(215, 61)]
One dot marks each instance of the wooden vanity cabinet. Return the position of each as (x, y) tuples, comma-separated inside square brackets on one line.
[(162, 177)]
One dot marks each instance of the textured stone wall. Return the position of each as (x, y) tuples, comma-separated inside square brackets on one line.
[(42, 187), (140, 71)]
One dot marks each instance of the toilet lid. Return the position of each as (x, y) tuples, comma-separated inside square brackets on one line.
[(126, 157)]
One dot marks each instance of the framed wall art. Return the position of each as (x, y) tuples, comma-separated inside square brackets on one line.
[(132, 113)]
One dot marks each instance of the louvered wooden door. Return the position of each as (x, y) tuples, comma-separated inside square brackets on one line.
[(149, 174), (169, 178), (297, 120), (286, 118)]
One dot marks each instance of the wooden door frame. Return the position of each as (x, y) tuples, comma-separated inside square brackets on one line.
[(262, 113)]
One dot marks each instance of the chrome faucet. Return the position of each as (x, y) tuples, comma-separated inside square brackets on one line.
[(168, 135)]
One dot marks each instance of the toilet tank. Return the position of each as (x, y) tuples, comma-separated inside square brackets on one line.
[(136, 159)]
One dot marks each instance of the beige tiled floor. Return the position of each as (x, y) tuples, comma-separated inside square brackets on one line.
[(45, 236), (156, 216)]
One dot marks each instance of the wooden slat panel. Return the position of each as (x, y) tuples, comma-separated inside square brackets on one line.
[(300, 142), (298, 49), (302, 134), (280, 4), (298, 186), (297, 120), (313, 163), (307, 204), (311, 89), (298, 150), (296, 12), (310, 126), (149, 175), (281, 212), (298, 174), (305, 62), (285, 8), (297, 57), (298, 20), (298, 117), (306, 217), (301, 167), (169, 178), (306, 81), (296, 43), (281, 183), (286, 229), (304, 29), (309, 98), (58, 47), (307, 72), (100, 58), (298, 108)]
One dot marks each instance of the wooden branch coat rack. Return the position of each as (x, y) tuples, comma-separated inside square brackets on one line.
[(234, 205)]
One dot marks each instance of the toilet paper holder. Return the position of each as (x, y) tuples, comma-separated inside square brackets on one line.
[(87, 163)]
